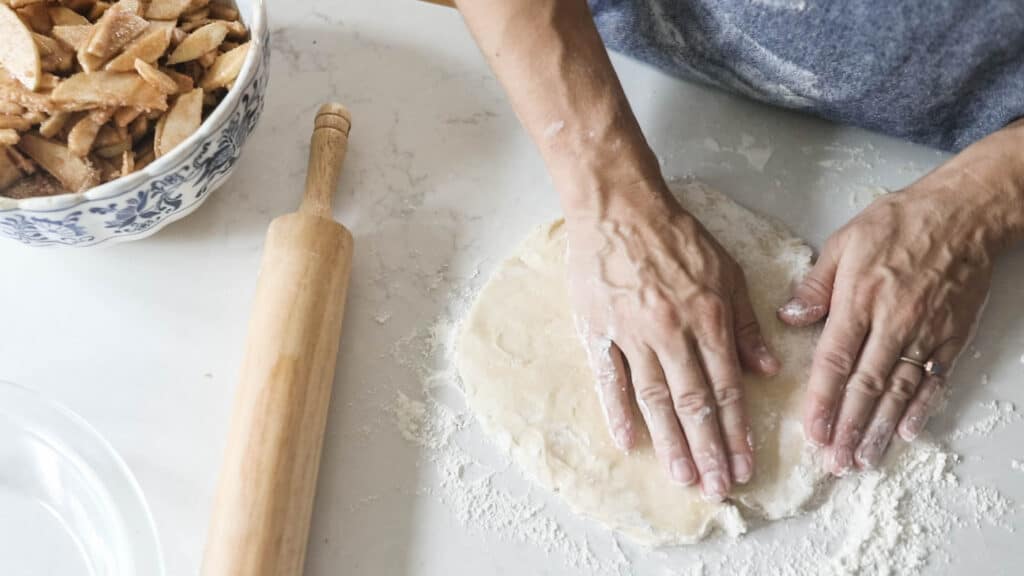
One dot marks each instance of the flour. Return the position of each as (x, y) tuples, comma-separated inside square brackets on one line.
[(757, 156), (898, 520), (553, 129), (1001, 414)]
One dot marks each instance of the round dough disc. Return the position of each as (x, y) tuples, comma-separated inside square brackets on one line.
[(525, 375)]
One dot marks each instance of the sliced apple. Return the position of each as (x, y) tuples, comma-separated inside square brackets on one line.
[(63, 16), (74, 35), (54, 124), (10, 171), (125, 116), (87, 90), (19, 54), (199, 42), (82, 135), (118, 26), (155, 77), (74, 173), (167, 9), (9, 137), (14, 92), (180, 122), (149, 47), (225, 69)]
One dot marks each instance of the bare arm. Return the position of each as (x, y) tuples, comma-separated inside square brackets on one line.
[(651, 289), (553, 64)]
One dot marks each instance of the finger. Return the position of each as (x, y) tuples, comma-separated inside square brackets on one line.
[(863, 390), (833, 363), (929, 393), (902, 386), (813, 295), (655, 403), (718, 356), (613, 390), (695, 409), (753, 351)]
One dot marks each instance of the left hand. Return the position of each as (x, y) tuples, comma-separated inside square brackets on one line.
[(908, 277)]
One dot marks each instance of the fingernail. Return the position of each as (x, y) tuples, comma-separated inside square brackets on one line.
[(714, 486), (624, 438), (820, 432), (741, 468), (912, 427), (682, 471), (795, 308), (868, 455), (801, 313), (842, 462), (769, 363)]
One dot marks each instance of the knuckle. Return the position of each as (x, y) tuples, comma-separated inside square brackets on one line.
[(902, 388), (748, 331), (653, 393), (867, 383), (693, 403), (837, 361), (849, 434), (816, 287), (665, 445), (728, 395), (664, 316), (710, 311)]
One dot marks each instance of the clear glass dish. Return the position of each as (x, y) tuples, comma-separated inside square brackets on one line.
[(69, 505)]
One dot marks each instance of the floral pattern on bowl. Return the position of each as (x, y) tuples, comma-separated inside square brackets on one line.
[(135, 212)]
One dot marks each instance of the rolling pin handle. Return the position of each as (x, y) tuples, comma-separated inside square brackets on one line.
[(327, 153)]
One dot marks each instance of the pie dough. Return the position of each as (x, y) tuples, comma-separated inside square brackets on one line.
[(526, 377)]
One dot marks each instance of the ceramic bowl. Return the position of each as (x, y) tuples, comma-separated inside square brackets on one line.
[(168, 189)]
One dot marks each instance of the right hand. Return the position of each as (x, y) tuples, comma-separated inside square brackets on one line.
[(664, 314)]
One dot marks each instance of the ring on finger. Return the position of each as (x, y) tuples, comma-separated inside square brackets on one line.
[(930, 367)]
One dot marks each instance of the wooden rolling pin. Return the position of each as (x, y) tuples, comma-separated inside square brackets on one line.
[(264, 499)]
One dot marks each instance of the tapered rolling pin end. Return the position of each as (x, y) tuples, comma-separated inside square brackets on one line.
[(333, 115)]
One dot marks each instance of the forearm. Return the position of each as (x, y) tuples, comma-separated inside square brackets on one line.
[(991, 172), (554, 67)]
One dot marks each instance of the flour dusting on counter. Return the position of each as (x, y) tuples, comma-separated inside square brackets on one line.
[(899, 520), (1001, 414)]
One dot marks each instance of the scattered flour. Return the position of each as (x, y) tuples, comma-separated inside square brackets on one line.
[(898, 520), (757, 156), (553, 129), (1001, 414)]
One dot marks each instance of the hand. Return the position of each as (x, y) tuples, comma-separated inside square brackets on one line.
[(663, 309), (908, 278)]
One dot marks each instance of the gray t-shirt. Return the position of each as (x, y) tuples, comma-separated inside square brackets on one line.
[(939, 72)]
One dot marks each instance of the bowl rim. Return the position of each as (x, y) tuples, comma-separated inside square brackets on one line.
[(164, 163), (11, 389)]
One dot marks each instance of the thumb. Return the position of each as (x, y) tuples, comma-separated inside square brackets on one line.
[(811, 297)]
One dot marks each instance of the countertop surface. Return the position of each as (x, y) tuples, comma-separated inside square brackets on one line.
[(144, 339)]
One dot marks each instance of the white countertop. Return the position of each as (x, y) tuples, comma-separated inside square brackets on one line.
[(144, 339)]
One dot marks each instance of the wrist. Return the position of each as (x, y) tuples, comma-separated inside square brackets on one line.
[(603, 178), (988, 179)]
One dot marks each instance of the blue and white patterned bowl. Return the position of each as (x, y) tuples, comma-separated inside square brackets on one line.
[(170, 188)]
